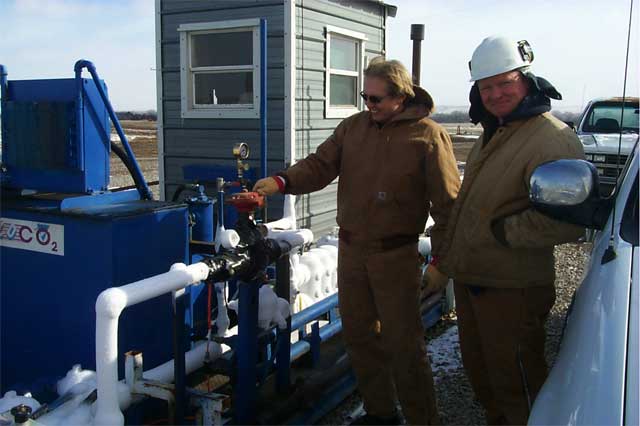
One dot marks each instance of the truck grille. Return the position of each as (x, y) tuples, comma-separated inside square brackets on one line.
[(606, 165)]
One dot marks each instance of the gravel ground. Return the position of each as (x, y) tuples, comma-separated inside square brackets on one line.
[(456, 401), (142, 138)]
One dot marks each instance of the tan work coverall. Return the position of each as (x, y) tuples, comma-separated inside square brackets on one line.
[(500, 252), (389, 177)]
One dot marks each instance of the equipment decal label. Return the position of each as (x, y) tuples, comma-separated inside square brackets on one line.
[(34, 236)]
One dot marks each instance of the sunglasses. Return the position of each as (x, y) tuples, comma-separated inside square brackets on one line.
[(372, 99)]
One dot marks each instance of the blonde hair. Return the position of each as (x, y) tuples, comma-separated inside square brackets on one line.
[(394, 73)]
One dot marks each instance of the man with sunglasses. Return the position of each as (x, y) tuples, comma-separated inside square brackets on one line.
[(501, 250), (396, 166)]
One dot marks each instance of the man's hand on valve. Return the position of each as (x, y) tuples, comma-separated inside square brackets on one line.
[(432, 281), (266, 186)]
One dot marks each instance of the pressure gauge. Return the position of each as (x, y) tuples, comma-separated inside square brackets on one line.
[(241, 150)]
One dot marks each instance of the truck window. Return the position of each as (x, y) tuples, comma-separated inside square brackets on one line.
[(629, 226), (605, 118)]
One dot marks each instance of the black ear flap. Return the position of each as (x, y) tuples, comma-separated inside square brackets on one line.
[(476, 111), (543, 86), (547, 88)]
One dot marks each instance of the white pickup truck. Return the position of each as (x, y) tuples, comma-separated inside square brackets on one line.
[(595, 379), (601, 128)]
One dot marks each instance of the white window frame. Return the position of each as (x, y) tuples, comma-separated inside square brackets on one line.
[(360, 39), (187, 87)]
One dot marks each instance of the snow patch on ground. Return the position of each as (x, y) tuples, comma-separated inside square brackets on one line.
[(444, 353), (116, 138)]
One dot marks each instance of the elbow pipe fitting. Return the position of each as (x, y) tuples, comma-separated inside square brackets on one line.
[(111, 302)]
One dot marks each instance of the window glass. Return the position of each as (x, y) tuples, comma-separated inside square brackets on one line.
[(343, 54), (223, 88), (629, 226), (343, 90), (222, 49), (605, 118)]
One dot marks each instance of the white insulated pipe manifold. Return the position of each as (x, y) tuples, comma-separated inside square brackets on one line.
[(109, 305), (288, 220)]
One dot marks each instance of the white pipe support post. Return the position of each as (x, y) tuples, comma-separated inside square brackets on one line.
[(288, 220), (109, 305)]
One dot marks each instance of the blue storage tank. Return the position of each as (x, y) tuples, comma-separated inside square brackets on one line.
[(55, 260)]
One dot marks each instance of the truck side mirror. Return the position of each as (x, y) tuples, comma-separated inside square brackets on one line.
[(568, 190)]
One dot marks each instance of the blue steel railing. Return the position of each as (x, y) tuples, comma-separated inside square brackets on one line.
[(143, 188)]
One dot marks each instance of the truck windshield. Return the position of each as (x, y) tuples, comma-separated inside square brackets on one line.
[(605, 118)]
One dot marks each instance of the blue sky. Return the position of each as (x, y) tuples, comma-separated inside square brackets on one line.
[(579, 44), (44, 39)]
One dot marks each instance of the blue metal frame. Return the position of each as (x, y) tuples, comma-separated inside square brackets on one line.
[(201, 208), (246, 350), (314, 311), (145, 192), (3, 81), (3, 100), (331, 398), (86, 203), (263, 97)]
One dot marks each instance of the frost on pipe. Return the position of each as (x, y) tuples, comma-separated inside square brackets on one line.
[(109, 306)]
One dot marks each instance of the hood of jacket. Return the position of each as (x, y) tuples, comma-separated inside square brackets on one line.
[(418, 107)]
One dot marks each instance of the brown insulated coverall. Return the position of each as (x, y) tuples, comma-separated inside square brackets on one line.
[(504, 289), (389, 175)]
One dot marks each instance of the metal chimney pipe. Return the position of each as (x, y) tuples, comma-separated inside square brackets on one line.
[(417, 35)]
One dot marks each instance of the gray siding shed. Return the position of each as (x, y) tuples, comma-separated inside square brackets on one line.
[(296, 33)]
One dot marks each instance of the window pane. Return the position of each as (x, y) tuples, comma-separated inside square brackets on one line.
[(220, 49), (343, 53), (224, 88), (343, 90), (611, 113)]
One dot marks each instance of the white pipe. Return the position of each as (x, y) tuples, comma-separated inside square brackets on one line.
[(110, 304), (288, 220), (329, 269), (330, 239), (222, 319), (227, 238), (313, 287), (294, 238), (193, 359), (333, 252), (299, 274)]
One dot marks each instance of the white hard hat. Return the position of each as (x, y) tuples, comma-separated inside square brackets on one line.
[(496, 55)]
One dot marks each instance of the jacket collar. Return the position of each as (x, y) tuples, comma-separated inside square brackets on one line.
[(418, 107)]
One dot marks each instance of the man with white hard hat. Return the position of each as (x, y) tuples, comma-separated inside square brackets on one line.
[(396, 167), (500, 250)]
